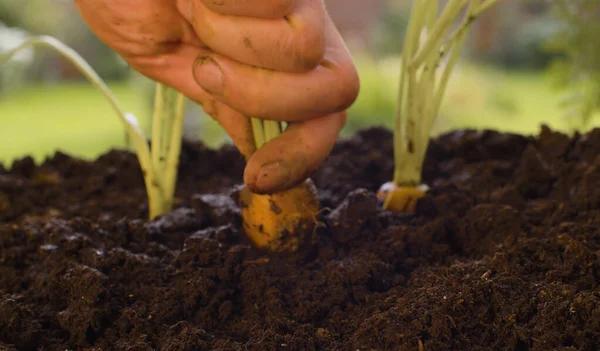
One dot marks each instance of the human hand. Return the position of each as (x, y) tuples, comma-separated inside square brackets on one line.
[(278, 60)]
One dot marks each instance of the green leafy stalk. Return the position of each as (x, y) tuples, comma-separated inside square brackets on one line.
[(129, 120), (400, 122), (159, 166), (265, 131), (167, 128), (439, 29), (420, 91), (258, 131), (272, 130), (170, 179)]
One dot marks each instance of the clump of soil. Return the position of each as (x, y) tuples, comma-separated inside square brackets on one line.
[(503, 254)]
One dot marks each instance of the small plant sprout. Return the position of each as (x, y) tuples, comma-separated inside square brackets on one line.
[(428, 41), (167, 129), (283, 221), (158, 163)]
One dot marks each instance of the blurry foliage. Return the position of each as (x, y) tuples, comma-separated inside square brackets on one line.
[(65, 24), (523, 48), (13, 73), (578, 71), (521, 42), (28, 15), (519, 29), (377, 100), (15, 16), (388, 35), (518, 39), (560, 36)]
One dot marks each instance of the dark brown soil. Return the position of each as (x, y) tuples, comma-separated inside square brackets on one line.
[(503, 254)]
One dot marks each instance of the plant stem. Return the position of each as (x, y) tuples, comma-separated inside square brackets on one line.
[(441, 27), (400, 135), (167, 129), (158, 164), (158, 120), (130, 122), (272, 130), (457, 45), (258, 132), (420, 96), (174, 150), (265, 131)]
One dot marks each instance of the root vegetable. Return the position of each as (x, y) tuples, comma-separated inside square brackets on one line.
[(283, 221)]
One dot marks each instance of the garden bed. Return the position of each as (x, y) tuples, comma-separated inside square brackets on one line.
[(503, 253)]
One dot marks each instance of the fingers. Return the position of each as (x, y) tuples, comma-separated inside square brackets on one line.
[(331, 87), (122, 25), (225, 80), (277, 165), (173, 69), (292, 157), (274, 9), (292, 44)]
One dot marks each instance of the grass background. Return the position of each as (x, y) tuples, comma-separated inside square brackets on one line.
[(75, 118)]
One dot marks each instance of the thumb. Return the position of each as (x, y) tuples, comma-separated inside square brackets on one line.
[(294, 155)]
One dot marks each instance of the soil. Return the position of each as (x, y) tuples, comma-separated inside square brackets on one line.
[(502, 254)]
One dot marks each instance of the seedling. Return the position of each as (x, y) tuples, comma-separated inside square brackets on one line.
[(283, 221), (273, 222), (158, 163), (427, 43)]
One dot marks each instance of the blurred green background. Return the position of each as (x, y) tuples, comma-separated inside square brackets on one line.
[(504, 80)]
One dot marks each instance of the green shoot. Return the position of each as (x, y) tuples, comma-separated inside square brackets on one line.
[(428, 42), (167, 129), (158, 165), (265, 131)]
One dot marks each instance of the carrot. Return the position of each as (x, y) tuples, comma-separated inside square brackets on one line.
[(283, 221), (400, 198)]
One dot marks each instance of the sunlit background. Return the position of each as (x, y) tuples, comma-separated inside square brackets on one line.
[(502, 81)]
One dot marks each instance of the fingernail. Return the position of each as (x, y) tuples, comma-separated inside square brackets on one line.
[(208, 75), (272, 177)]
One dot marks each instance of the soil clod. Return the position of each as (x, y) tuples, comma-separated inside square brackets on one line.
[(502, 253)]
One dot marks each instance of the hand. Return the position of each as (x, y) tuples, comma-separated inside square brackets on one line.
[(272, 59)]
